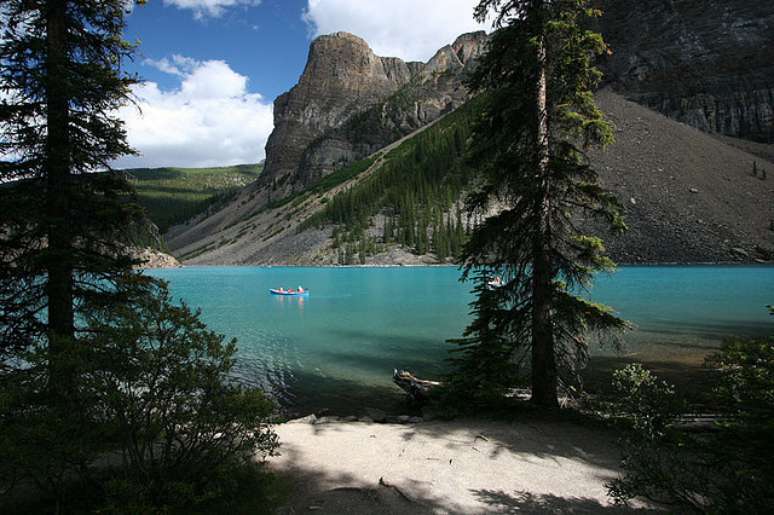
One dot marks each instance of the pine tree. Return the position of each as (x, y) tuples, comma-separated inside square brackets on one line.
[(539, 117), (60, 72)]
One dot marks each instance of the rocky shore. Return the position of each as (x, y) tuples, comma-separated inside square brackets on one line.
[(151, 258)]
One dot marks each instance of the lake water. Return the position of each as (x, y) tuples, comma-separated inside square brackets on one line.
[(337, 348)]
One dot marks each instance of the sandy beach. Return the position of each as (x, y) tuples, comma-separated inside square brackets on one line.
[(462, 466)]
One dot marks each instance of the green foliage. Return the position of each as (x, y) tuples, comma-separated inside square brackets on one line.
[(528, 148), (650, 405), (107, 390), (154, 403), (174, 195), (326, 183), (415, 190), (726, 470), (746, 388), (485, 367)]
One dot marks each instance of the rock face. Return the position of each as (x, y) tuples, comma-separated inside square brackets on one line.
[(152, 258), (709, 64), (350, 102)]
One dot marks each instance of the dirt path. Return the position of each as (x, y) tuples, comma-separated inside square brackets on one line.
[(447, 467)]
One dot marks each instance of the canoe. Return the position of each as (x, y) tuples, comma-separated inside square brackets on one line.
[(289, 293)]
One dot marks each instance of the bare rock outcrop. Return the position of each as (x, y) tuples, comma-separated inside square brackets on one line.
[(152, 258), (349, 102), (708, 64)]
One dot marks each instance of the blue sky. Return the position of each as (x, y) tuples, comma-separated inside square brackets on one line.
[(268, 42), (212, 68)]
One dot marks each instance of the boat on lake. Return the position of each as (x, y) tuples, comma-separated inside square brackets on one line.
[(289, 293)]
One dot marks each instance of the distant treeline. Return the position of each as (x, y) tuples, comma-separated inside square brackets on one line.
[(175, 195)]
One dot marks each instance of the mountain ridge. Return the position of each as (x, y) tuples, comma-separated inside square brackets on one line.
[(347, 105), (688, 197), (709, 64), (350, 104)]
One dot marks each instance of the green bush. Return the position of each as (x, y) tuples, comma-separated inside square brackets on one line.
[(156, 421), (648, 404), (724, 469)]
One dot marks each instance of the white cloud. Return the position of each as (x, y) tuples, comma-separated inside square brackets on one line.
[(409, 29), (212, 8), (211, 119), (175, 65)]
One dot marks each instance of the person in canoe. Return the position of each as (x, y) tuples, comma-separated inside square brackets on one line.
[(282, 291)]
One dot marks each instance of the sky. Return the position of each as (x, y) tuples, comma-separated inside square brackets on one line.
[(211, 69)]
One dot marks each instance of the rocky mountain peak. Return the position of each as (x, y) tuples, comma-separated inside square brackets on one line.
[(469, 46), (343, 60), (349, 102)]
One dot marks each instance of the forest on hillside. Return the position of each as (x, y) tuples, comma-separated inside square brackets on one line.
[(416, 194)]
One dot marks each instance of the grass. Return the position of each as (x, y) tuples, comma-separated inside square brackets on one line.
[(174, 195)]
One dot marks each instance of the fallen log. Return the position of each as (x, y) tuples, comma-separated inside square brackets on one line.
[(420, 390)]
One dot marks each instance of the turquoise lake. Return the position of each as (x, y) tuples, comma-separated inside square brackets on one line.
[(337, 348)]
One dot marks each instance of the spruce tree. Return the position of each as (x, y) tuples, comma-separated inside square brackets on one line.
[(529, 146), (61, 83)]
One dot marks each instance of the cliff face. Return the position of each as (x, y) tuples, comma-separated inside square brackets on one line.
[(350, 102), (709, 64), (706, 63)]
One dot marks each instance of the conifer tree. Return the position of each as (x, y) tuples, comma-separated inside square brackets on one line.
[(61, 84), (529, 147)]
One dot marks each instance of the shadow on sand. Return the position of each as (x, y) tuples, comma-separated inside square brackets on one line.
[(464, 466)]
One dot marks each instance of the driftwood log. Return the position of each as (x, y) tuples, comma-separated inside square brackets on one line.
[(420, 390)]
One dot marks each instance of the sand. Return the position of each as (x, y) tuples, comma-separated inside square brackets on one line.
[(448, 467)]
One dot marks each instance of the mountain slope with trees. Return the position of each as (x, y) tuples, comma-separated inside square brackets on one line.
[(709, 68), (172, 196), (687, 197)]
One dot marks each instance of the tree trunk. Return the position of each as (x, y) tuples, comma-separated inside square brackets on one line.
[(59, 288), (544, 381)]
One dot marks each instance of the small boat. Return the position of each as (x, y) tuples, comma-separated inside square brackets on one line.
[(289, 293)]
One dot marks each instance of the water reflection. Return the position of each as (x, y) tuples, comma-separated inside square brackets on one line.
[(291, 300)]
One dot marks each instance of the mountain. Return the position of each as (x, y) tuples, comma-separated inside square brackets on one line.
[(689, 197), (349, 103), (706, 63), (351, 110)]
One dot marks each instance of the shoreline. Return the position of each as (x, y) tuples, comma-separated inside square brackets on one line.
[(440, 265)]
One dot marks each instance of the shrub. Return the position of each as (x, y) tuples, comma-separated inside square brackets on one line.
[(723, 470), (155, 423), (161, 380), (647, 403)]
